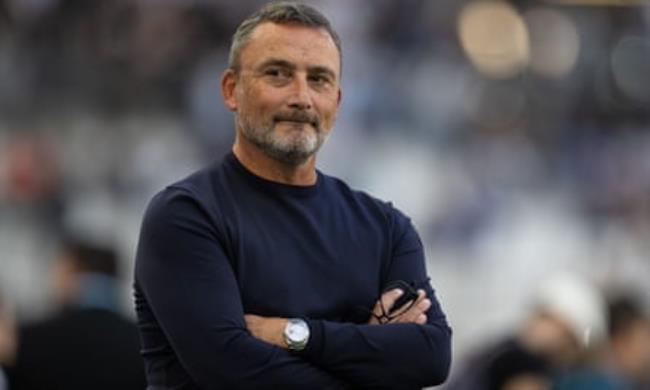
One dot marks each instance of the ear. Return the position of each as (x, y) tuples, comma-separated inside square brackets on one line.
[(338, 98), (228, 84)]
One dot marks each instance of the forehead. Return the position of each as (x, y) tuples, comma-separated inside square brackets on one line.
[(302, 45)]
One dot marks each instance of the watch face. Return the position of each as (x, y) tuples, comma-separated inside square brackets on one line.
[(297, 332)]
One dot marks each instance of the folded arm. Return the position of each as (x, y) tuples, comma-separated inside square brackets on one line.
[(406, 352), (413, 350), (190, 287)]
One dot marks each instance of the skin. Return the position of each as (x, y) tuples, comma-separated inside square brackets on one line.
[(527, 382), (630, 350), (286, 72), (549, 335), (270, 329), (7, 336), (287, 93), (64, 279), (414, 314)]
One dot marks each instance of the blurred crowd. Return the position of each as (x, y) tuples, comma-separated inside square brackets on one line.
[(515, 133)]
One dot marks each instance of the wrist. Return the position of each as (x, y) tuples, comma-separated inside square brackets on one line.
[(296, 334)]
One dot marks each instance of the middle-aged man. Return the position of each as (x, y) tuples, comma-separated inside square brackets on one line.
[(261, 271)]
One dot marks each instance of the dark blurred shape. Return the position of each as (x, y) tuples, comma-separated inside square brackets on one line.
[(5, 19), (86, 258), (87, 344), (508, 365), (624, 363), (629, 349), (7, 340)]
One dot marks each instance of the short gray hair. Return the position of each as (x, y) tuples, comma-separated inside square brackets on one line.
[(282, 12)]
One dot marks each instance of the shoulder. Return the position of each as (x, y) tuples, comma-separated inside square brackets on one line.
[(365, 201), (189, 202), (200, 187), (199, 184)]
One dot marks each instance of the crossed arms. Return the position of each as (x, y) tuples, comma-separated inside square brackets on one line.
[(190, 287), (270, 329)]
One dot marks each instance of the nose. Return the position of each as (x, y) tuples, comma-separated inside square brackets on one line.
[(300, 95)]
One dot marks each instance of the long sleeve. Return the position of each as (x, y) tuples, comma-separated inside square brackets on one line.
[(391, 356), (189, 287)]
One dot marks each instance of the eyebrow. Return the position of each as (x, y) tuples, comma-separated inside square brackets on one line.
[(289, 65)]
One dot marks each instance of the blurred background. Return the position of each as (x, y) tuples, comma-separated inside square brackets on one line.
[(515, 134)]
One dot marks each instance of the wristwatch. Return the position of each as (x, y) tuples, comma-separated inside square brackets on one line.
[(296, 334)]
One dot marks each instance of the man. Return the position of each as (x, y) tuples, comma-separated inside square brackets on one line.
[(87, 344), (261, 271)]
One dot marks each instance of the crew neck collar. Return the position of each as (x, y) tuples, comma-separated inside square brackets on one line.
[(269, 185)]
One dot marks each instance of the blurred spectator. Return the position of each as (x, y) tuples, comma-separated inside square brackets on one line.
[(628, 354), (31, 172), (7, 340), (625, 361), (567, 319), (86, 344)]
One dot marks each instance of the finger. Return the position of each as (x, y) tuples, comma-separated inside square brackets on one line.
[(423, 303), (423, 306), (409, 316), (412, 315), (408, 306), (420, 307), (421, 319), (387, 300), (389, 297)]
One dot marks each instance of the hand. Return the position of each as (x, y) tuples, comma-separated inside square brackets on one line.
[(268, 329), (405, 314)]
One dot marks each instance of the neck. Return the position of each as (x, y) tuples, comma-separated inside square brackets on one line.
[(256, 161)]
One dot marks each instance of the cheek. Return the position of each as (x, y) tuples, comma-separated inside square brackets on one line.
[(261, 103), (328, 111)]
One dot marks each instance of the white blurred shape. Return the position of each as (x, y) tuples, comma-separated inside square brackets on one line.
[(91, 216), (630, 64), (554, 42), (495, 38), (578, 302)]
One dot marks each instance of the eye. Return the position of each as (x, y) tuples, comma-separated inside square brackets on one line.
[(277, 73), (319, 79)]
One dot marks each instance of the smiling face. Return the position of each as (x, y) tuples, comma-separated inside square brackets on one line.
[(285, 92)]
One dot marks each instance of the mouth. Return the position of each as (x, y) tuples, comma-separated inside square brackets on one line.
[(297, 121)]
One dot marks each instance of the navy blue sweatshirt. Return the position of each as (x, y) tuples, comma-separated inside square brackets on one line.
[(224, 242)]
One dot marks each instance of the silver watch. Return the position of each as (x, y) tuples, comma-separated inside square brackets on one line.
[(296, 334)]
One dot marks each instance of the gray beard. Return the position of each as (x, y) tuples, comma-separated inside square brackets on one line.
[(289, 150)]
